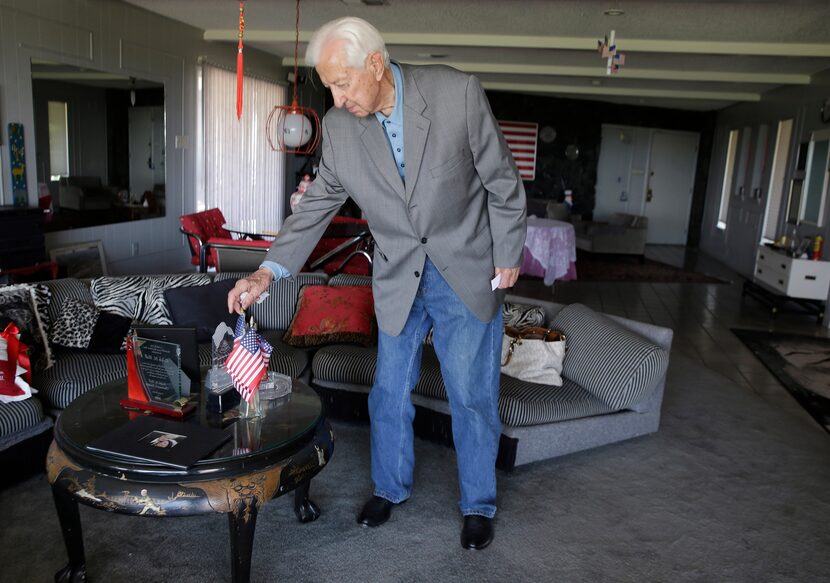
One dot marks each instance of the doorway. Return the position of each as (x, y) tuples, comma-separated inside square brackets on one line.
[(650, 172), (671, 179)]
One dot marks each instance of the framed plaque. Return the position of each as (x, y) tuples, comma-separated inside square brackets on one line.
[(160, 368), (154, 377)]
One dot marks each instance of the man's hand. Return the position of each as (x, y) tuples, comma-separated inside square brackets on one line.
[(254, 284), (509, 275)]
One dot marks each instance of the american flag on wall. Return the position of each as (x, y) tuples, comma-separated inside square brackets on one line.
[(521, 139)]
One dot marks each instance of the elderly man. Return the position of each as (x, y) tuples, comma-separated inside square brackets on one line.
[(419, 150)]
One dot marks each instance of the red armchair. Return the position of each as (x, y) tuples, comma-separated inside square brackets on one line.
[(199, 227), (354, 258)]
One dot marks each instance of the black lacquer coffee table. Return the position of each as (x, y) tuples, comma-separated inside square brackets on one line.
[(266, 458)]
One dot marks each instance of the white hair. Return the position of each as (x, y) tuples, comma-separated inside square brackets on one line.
[(361, 39)]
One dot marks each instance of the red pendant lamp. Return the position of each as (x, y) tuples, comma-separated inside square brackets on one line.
[(293, 129), (240, 61)]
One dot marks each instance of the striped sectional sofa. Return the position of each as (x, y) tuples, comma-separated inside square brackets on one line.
[(614, 371), (613, 380)]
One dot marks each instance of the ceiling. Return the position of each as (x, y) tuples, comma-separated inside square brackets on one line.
[(703, 55)]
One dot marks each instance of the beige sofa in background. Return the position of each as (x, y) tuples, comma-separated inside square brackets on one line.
[(623, 233)]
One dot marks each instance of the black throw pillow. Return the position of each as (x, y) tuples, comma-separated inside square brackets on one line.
[(109, 333), (202, 307)]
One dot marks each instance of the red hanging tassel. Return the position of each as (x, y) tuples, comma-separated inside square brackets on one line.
[(239, 61)]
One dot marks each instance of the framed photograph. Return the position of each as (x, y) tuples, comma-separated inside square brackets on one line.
[(80, 260)]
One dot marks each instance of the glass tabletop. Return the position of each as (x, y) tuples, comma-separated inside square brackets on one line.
[(283, 422)]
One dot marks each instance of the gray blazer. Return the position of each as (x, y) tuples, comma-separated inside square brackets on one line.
[(463, 203)]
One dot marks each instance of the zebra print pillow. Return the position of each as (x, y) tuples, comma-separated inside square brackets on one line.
[(515, 315), (141, 298), (522, 315)]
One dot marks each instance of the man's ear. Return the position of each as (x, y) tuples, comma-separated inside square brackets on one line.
[(376, 65)]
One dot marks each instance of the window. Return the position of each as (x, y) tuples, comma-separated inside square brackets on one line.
[(731, 151), (58, 140), (815, 180), (776, 179), (242, 175)]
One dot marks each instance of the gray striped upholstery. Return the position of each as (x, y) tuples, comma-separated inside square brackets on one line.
[(75, 373), (285, 359), (343, 279), (524, 404), (64, 289), (19, 416), (520, 403), (615, 365), (277, 311)]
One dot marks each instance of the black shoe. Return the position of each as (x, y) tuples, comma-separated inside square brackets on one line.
[(477, 532), (375, 512)]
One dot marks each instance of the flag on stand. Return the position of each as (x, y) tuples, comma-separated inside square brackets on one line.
[(248, 361)]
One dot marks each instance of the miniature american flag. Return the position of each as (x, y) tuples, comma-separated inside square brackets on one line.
[(248, 361)]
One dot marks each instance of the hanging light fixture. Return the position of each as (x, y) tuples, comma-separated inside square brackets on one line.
[(293, 129)]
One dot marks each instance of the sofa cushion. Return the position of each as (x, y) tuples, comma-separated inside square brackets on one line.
[(278, 310), (615, 365), (19, 416), (141, 297), (327, 314), (520, 403), (75, 373), (202, 307), (82, 325)]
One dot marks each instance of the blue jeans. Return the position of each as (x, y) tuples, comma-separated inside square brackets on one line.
[(469, 351)]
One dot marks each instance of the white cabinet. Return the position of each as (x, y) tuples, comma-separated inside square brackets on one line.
[(794, 278)]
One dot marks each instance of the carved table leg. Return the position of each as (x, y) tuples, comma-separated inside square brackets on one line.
[(242, 523), (70, 521), (305, 509)]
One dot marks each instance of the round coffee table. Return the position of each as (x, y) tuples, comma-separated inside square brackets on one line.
[(267, 457)]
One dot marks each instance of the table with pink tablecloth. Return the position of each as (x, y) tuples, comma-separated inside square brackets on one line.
[(550, 250)]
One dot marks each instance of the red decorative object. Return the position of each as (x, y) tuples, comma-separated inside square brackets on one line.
[(293, 129), (240, 61), (17, 353), (327, 314)]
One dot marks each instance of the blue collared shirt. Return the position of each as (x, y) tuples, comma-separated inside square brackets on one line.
[(393, 125)]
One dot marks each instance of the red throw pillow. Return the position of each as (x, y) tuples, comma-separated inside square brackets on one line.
[(327, 314)]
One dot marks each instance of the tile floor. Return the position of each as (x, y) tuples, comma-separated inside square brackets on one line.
[(701, 316)]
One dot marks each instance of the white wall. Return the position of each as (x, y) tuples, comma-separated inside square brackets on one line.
[(802, 104), (112, 36)]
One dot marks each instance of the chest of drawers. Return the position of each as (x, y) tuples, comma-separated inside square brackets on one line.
[(795, 278)]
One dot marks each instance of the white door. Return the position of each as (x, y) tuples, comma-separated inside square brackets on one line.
[(669, 189)]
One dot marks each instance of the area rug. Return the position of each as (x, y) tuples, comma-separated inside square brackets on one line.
[(800, 363), (607, 267)]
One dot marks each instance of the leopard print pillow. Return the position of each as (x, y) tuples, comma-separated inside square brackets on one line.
[(74, 325)]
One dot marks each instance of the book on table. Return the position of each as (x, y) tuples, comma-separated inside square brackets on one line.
[(160, 441)]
